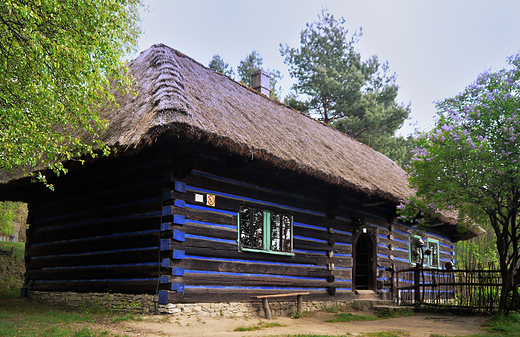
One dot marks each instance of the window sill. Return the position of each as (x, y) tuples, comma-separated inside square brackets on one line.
[(266, 251)]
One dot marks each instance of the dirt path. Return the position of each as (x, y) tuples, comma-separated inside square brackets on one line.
[(420, 325)]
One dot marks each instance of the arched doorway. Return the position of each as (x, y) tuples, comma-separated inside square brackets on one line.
[(364, 268)]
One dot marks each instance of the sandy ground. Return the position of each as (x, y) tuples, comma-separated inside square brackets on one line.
[(422, 324)]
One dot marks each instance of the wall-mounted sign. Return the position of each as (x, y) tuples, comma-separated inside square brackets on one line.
[(210, 200)]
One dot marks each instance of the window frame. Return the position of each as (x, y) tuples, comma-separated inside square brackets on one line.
[(266, 232), (428, 241), (436, 242), (411, 246)]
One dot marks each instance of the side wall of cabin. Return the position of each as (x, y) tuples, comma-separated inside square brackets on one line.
[(154, 223)]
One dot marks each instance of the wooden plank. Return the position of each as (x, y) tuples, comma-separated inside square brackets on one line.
[(141, 270), (133, 255), (94, 244), (125, 209), (124, 286), (81, 200), (280, 295), (96, 228), (246, 280), (255, 268)]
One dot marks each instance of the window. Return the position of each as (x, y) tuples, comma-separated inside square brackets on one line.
[(415, 254), (265, 231), (433, 259)]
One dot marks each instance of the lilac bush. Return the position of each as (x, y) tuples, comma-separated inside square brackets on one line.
[(469, 162)]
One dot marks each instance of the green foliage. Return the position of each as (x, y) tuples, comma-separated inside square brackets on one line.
[(217, 63), (394, 314), (349, 317), (12, 212), (296, 315), (56, 59), (12, 269), (259, 326), (292, 101), (248, 66), (334, 308), (252, 63), (385, 334), (469, 162), (354, 96)]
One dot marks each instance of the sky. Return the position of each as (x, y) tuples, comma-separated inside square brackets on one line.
[(435, 47)]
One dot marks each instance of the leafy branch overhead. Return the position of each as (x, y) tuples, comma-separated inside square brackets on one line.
[(56, 59)]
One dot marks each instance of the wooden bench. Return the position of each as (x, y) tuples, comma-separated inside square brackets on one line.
[(265, 304)]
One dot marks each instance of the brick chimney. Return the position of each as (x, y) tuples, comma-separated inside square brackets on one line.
[(260, 82)]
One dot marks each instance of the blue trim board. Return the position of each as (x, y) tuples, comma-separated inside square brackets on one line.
[(252, 261), (249, 288), (211, 209), (308, 239), (235, 182), (344, 289), (254, 275), (267, 203), (209, 224), (342, 232), (342, 243), (309, 251), (200, 237), (299, 224), (345, 255)]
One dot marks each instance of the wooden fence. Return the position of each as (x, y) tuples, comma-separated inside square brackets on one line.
[(477, 290)]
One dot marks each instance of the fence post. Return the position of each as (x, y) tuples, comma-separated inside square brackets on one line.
[(417, 284)]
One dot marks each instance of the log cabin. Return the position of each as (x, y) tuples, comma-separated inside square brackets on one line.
[(214, 192)]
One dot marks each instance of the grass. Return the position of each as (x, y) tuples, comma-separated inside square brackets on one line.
[(349, 317), (261, 325), (19, 317), (394, 314), (12, 269)]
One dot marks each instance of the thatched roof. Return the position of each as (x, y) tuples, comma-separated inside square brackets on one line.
[(178, 95)]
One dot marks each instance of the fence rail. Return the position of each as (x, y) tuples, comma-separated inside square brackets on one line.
[(477, 290)]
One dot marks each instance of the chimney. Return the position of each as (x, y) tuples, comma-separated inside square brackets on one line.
[(260, 82)]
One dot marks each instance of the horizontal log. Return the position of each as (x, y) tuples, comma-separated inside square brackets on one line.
[(254, 268), (96, 228), (125, 209), (132, 255), (94, 244), (108, 286), (81, 201), (110, 174), (127, 271), (248, 280)]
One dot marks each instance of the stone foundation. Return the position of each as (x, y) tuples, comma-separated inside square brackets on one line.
[(146, 304)]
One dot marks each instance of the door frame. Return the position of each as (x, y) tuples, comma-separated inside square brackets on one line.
[(370, 234)]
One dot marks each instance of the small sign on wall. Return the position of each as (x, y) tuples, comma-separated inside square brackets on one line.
[(210, 200), (199, 198)]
